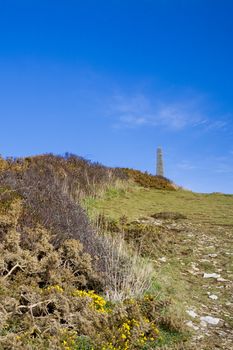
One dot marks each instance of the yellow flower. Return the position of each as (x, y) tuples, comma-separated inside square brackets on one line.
[(97, 302), (56, 288)]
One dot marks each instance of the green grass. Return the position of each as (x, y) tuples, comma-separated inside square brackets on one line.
[(214, 209), (210, 225), (168, 338)]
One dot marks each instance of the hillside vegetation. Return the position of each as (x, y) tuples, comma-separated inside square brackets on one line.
[(189, 237), (94, 258), (65, 282)]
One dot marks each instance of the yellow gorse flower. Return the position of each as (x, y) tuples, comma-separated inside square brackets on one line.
[(97, 302), (55, 288)]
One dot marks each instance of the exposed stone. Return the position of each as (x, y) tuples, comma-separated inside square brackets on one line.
[(211, 275), (220, 279), (213, 297), (192, 313), (163, 259), (210, 320), (191, 325), (213, 255)]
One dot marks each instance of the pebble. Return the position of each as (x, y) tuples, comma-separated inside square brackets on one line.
[(213, 255), (192, 313), (213, 297), (220, 279), (163, 259), (211, 275), (191, 325)]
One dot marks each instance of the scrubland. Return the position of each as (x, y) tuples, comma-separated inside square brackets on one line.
[(101, 258)]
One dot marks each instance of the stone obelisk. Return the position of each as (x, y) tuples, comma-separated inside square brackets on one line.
[(159, 164)]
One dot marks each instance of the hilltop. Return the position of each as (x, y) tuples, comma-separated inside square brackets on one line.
[(102, 258)]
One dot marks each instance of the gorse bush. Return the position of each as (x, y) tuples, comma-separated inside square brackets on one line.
[(64, 284), (50, 187), (50, 298), (48, 201), (147, 180)]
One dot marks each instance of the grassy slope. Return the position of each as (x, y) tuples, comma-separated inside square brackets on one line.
[(215, 209), (208, 229)]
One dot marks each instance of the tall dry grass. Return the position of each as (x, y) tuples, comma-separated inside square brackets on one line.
[(128, 275)]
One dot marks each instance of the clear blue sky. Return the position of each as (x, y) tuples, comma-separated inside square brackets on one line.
[(113, 79)]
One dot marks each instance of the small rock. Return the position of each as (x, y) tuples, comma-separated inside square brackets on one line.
[(213, 297), (220, 279), (191, 313), (203, 324), (213, 255), (211, 275), (191, 325), (210, 320), (163, 259)]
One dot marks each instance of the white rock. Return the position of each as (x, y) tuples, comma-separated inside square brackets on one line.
[(210, 320), (191, 313), (211, 275), (203, 324), (220, 279), (213, 255), (213, 297), (163, 259), (191, 325)]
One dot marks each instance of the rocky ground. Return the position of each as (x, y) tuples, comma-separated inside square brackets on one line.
[(193, 255), (201, 257)]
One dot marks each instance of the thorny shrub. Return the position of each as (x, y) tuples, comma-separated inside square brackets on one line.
[(147, 180), (50, 187), (50, 299), (52, 265)]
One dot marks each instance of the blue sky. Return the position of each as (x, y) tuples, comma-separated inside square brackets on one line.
[(111, 80)]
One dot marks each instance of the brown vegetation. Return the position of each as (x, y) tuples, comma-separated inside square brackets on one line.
[(147, 180), (48, 301), (63, 285)]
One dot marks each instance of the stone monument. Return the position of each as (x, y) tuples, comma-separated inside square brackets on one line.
[(159, 164)]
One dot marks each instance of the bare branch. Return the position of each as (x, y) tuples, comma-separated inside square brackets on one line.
[(12, 270)]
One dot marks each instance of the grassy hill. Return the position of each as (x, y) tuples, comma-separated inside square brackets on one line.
[(186, 235), (101, 258)]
